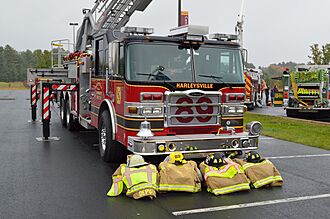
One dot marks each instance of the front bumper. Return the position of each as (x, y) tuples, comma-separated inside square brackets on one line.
[(205, 144)]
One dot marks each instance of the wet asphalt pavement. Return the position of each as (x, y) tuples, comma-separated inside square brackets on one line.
[(67, 179), (270, 110)]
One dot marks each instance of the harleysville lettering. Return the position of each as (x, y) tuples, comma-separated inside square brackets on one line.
[(194, 86)]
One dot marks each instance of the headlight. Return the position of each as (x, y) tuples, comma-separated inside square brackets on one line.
[(231, 109), (240, 109), (234, 109), (254, 128), (157, 110), (147, 110)]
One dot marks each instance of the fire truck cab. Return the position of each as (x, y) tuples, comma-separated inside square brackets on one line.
[(153, 95), (159, 94)]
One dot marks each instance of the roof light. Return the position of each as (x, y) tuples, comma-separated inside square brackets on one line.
[(137, 30), (195, 30), (224, 37)]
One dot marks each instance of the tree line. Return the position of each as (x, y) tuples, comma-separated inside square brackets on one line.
[(13, 64)]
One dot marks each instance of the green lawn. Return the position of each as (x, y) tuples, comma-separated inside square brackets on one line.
[(12, 86), (303, 132)]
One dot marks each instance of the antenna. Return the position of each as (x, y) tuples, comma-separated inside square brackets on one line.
[(239, 24)]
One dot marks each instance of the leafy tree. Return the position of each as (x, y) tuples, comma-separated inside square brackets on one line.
[(320, 56), (13, 64)]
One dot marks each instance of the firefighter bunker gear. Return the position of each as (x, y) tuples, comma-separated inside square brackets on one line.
[(261, 172), (138, 178), (223, 176), (177, 174)]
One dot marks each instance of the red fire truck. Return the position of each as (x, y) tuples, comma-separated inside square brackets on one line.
[(151, 94), (253, 88)]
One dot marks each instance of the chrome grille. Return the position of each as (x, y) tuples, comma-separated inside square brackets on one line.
[(192, 108)]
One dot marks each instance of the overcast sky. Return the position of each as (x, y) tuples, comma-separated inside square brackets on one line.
[(274, 30)]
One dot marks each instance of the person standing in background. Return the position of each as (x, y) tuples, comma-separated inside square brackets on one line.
[(272, 93), (263, 89), (267, 94)]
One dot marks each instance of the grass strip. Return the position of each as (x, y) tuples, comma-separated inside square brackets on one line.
[(12, 86), (298, 131)]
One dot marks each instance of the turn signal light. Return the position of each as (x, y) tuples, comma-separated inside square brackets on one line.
[(235, 97), (157, 96), (147, 96), (132, 109), (232, 97), (240, 97), (152, 97)]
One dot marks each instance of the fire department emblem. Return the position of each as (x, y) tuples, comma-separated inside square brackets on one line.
[(118, 95)]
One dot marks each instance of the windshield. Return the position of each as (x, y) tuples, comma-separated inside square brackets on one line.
[(173, 63), (218, 65)]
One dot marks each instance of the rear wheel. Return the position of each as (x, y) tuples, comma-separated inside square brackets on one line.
[(110, 150), (63, 112), (70, 123)]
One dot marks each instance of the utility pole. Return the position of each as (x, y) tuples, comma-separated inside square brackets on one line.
[(179, 13), (74, 33)]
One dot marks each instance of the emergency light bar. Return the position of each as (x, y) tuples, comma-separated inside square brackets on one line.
[(224, 37), (190, 32), (137, 30)]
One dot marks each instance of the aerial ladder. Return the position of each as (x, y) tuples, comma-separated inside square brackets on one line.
[(107, 15), (102, 20), (253, 96), (239, 25)]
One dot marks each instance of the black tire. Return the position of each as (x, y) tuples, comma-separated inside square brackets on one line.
[(250, 106), (34, 113), (110, 150), (63, 112), (70, 122)]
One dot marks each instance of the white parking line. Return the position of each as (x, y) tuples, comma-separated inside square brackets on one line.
[(248, 205), (266, 138), (299, 156)]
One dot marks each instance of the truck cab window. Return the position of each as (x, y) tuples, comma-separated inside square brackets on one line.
[(218, 64), (121, 71), (159, 62), (99, 60)]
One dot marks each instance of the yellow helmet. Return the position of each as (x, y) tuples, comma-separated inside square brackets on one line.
[(135, 161), (177, 157)]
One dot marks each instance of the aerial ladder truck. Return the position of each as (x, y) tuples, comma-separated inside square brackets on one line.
[(253, 77), (151, 95)]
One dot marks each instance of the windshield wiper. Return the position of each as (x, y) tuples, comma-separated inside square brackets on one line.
[(216, 78), (158, 69)]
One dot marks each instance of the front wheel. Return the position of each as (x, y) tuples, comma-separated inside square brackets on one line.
[(110, 150)]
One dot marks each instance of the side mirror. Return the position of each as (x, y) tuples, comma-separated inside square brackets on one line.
[(245, 56), (114, 58)]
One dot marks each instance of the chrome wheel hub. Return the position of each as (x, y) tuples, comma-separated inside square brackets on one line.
[(103, 138)]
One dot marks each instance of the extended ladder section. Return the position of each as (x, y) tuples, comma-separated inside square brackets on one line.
[(116, 13)]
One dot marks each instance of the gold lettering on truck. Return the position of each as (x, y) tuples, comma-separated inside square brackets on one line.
[(194, 86), (118, 95)]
